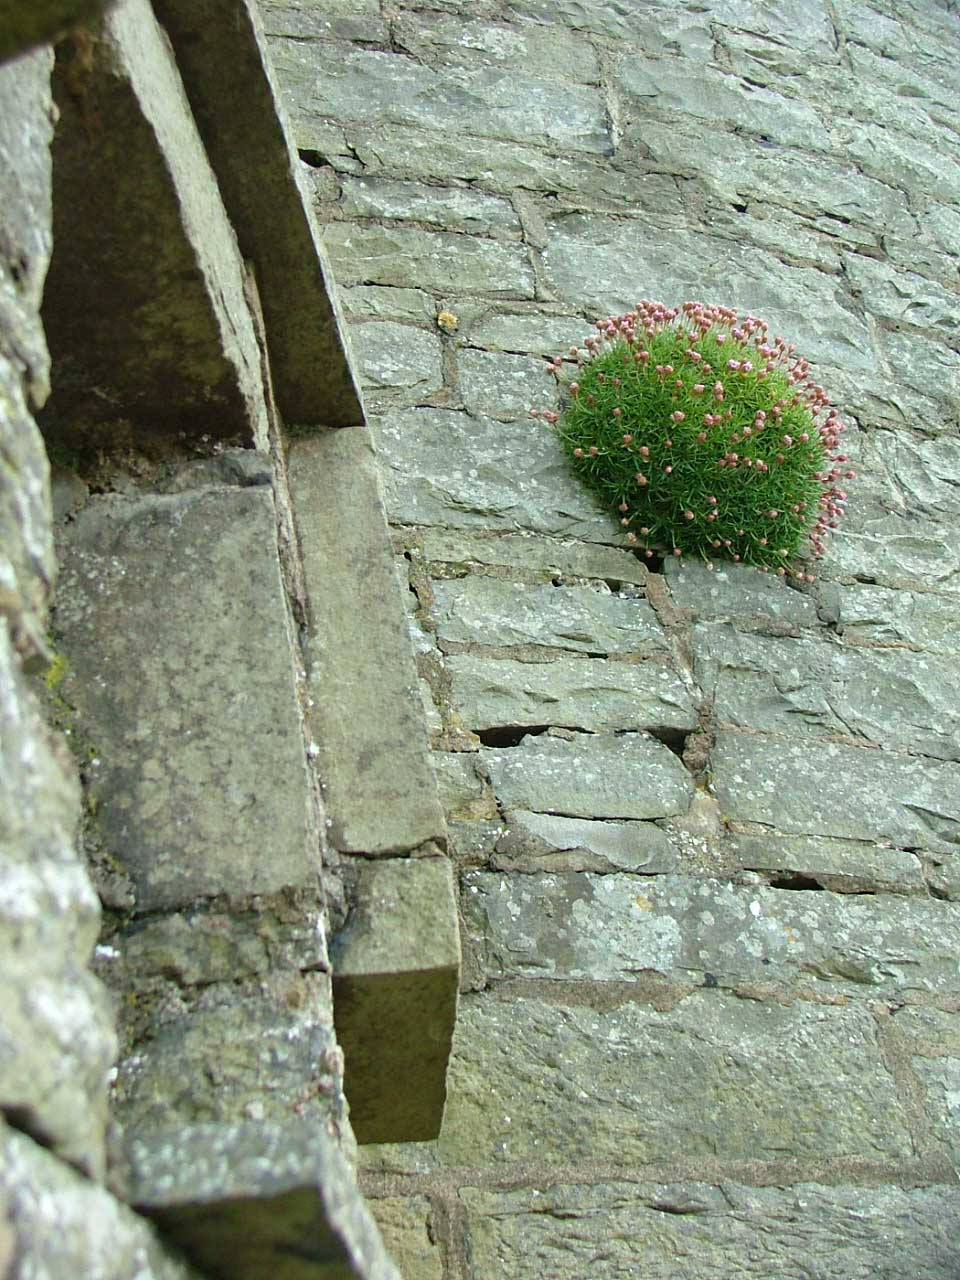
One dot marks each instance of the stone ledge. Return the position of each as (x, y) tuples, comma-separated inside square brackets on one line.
[(396, 976)]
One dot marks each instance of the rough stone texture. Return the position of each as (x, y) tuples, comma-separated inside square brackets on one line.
[(396, 356), (733, 591), (580, 694), (934, 1040), (843, 866), (221, 54), (146, 285), (245, 1201), (62, 1224), (545, 842), (612, 926), (181, 736), (591, 775), (884, 616), (579, 619), (396, 976), (503, 386), (42, 22), (547, 557), (457, 210), (406, 1227), (56, 1032), (634, 1085), (695, 1231), (379, 788)]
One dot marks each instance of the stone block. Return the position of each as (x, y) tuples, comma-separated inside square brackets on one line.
[(56, 1028), (396, 971), (488, 611), (180, 734), (145, 300), (842, 866), (504, 386), (63, 1224), (534, 842), (380, 790), (386, 302), (882, 615), (610, 927), (248, 1200), (625, 775), (546, 557), (934, 1045), (444, 468), (450, 208), (324, 19), (831, 789), (734, 591), (532, 1080), (398, 357), (533, 333), (577, 693), (406, 1224), (221, 53), (703, 1232), (42, 22)]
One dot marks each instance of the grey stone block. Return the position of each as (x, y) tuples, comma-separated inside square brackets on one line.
[(532, 1080), (222, 56), (830, 789), (450, 208), (504, 386), (544, 842), (731, 591), (396, 972), (842, 866), (407, 1224), (534, 333), (56, 1028), (585, 693), (398, 357), (629, 775), (246, 1201), (479, 610), (62, 1224), (608, 927), (324, 19), (145, 296), (547, 557), (882, 615), (183, 733), (609, 1230), (380, 790), (934, 1045)]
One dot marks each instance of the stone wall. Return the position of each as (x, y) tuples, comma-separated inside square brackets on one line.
[(705, 823)]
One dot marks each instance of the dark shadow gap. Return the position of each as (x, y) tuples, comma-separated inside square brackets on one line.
[(509, 735)]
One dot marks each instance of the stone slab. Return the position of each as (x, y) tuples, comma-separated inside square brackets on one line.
[(533, 333), (386, 302), (445, 468), (368, 723), (503, 386), (181, 733), (324, 19), (63, 1224), (590, 776), (145, 294), (934, 1046), (542, 556), (461, 785), (588, 693), (534, 842), (398, 357), (882, 615), (222, 55), (552, 1082), (733, 591), (703, 1232), (409, 1233), (830, 789), (842, 866), (479, 610), (396, 971), (811, 687), (248, 1201), (611, 927), (450, 208)]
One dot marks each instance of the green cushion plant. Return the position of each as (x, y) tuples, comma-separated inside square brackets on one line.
[(704, 436)]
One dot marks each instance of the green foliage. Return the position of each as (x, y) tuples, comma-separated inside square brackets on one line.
[(702, 436)]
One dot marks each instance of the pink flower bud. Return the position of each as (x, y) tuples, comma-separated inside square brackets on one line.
[(628, 439), (678, 415), (698, 388), (578, 453), (594, 451)]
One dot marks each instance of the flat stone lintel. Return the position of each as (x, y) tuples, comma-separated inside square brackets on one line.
[(396, 978)]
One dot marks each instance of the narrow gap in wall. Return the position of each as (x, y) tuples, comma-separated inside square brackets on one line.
[(793, 880), (675, 739), (315, 159), (510, 735), (24, 1121)]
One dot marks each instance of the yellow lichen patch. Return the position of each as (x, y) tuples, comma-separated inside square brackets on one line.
[(448, 322)]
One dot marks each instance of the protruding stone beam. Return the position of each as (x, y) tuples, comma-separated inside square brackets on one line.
[(222, 57), (24, 25), (145, 308), (246, 1201), (396, 977)]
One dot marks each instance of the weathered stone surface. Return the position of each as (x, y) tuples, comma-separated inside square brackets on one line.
[(63, 1224), (461, 786), (146, 286), (480, 610), (925, 390), (365, 85), (811, 688), (430, 259), (379, 787), (537, 333), (935, 1040), (544, 842), (610, 1230), (396, 975), (324, 19), (896, 551), (248, 1200), (737, 591), (503, 386), (382, 302), (221, 54), (452, 208), (545, 556), (406, 1225), (56, 1032), (831, 789), (551, 1082), (443, 468), (607, 927), (42, 22), (184, 731), (398, 356), (578, 694), (590, 776), (901, 296), (842, 866), (884, 616)]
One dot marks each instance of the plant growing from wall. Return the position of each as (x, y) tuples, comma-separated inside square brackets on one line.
[(704, 436)]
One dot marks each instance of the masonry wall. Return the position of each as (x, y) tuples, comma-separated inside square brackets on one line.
[(705, 823)]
